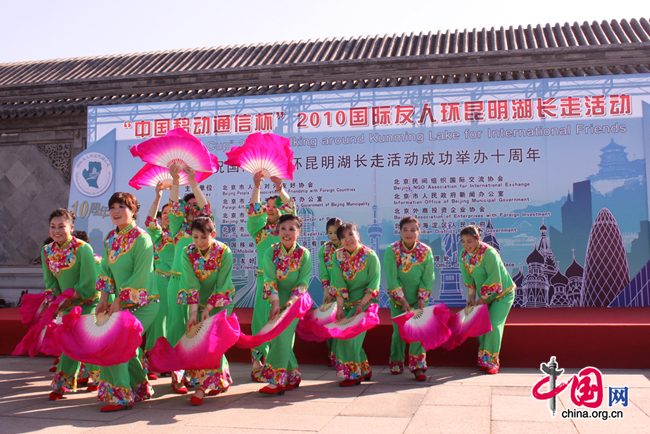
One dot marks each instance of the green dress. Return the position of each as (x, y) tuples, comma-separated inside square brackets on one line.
[(354, 275), (265, 235), (163, 257), (325, 257), (207, 279), (485, 270), (410, 275), (127, 270), (71, 265), (286, 274)]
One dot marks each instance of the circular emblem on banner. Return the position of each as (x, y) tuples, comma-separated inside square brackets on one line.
[(92, 174)]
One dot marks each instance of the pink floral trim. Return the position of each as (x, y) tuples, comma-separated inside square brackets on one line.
[(83, 374), (349, 370), (142, 391), (210, 379), (286, 262), (274, 376), (204, 266), (294, 376), (52, 294), (353, 263), (471, 287), (176, 209), (372, 291), (106, 284), (326, 286), (341, 292), (106, 392), (119, 243), (472, 261), (288, 208), (424, 294), (270, 289), (406, 259), (145, 361), (328, 254), (396, 367), (131, 297), (61, 258), (64, 382), (397, 294), (165, 239), (365, 368), (188, 296), (488, 360), (219, 299), (487, 290), (332, 291), (418, 362), (255, 209), (298, 290)]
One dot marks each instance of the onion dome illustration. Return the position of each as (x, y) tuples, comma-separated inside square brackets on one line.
[(535, 257), (559, 279)]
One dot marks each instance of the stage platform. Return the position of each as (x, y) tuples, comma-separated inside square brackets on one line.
[(606, 338)]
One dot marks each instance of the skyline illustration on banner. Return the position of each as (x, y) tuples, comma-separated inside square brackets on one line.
[(553, 171)]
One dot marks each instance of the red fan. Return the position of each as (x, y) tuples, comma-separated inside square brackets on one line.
[(470, 322), (272, 329), (31, 308), (350, 327), (150, 176), (428, 326), (324, 314), (268, 152), (32, 343), (100, 339), (177, 146), (199, 348)]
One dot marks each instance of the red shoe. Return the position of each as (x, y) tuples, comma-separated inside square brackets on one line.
[(114, 407), (367, 377), (294, 385), (273, 390), (181, 390), (255, 376), (92, 388), (56, 361), (493, 371), (55, 396), (196, 401), (53, 369), (482, 368), (152, 376), (421, 377), (188, 385), (215, 392), (348, 383)]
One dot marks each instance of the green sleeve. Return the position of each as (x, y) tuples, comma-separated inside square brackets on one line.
[(270, 291), (154, 230), (176, 217), (468, 280), (323, 271), (304, 275), (395, 287), (224, 290), (190, 285), (85, 287), (256, 218), (338, 282), (142, 256), (52, 289), (374, 274), (493, 285), (105, 280), (285, 208), (428, 276)]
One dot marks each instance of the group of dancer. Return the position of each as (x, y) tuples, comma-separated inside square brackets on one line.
[(175, 274)]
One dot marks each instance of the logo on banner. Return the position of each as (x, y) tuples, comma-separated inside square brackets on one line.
[(586, 391), (93, 174)]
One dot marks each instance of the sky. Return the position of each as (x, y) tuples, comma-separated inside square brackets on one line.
[(45, 29)]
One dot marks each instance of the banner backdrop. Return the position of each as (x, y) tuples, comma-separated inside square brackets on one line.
[(553, 171)]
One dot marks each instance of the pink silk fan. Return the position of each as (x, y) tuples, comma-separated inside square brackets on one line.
[(31, 308), (272, 329), (268, 152), (150, 175), (177, 146), (39, 337), (348, 328), (428, 326), (100, 339), (200, 348), (470, 322), (322, 315)]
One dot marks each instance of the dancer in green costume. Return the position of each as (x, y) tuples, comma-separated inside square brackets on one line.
[(482, 268), (409, 273), (127, 269), (287, 270), (206, 286), (181, 216), (325, 256), (69, 262), (157, 225), (262, 225), (356, 274)]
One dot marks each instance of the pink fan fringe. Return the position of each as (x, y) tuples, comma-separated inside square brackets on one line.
[(477, 325), (304, 328), (223, 333), (432, 334), (117, 344), (370, 319), (297, 310), (30, 308), (272, 149), (150, 174)]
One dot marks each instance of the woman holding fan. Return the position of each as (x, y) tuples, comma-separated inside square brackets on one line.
[(356, 274), (287, 270), (325, 257), (206, 286), (127, 266), (483, 271), (410, 274)]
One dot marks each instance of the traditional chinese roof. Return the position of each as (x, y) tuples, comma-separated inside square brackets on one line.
[(65, 86)]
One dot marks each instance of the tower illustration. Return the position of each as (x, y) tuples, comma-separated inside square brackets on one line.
[(451, 288)]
